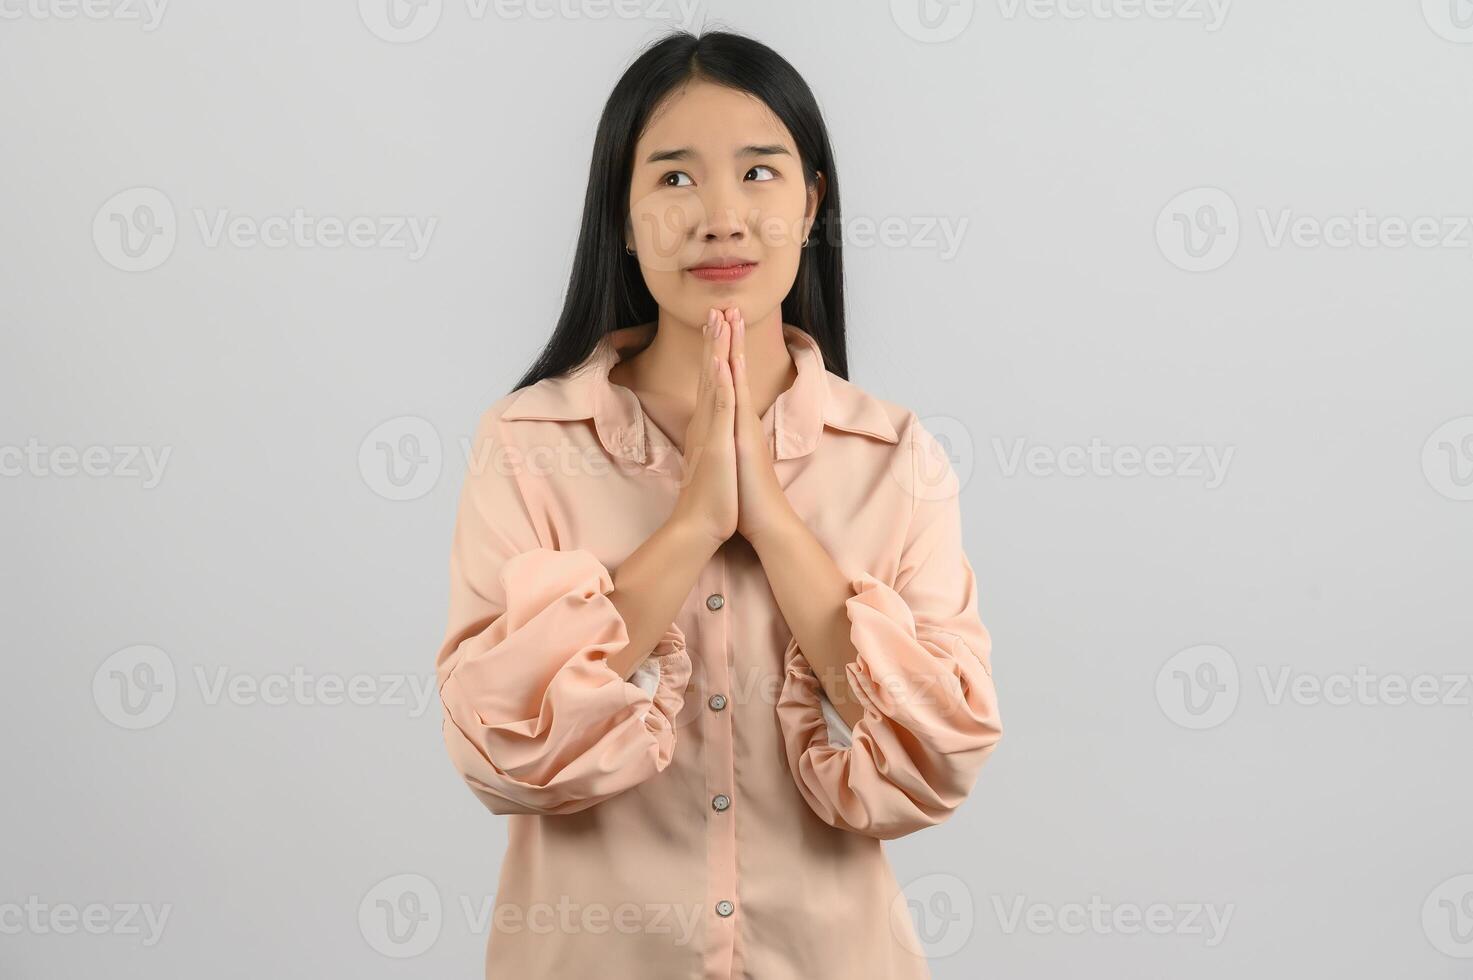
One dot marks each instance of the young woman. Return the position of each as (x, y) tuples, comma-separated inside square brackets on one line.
[(712, 632)]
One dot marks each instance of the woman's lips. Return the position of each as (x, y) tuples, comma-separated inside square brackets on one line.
[(725, 273)]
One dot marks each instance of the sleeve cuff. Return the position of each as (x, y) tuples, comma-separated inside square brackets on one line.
[(664, 673), (537, 719), (930, 721)]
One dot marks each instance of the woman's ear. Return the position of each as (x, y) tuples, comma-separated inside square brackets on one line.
[(815, 198)]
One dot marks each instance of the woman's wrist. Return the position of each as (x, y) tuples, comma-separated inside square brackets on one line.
[(692, 536), (786, 526)]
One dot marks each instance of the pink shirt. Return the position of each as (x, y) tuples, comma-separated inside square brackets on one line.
[(712, 816)]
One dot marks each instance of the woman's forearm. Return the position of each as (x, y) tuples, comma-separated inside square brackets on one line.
[(651, 585), (811, 590)]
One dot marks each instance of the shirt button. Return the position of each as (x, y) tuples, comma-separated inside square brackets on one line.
[(720, 802), (724, 908), (715, 601), (717, 702)]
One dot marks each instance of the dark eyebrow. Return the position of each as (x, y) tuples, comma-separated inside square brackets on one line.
[(686, 153)]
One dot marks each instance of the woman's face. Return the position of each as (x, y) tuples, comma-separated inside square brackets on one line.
[(717, 179)]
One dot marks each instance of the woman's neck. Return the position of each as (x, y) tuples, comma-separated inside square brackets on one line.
[(664, 373)]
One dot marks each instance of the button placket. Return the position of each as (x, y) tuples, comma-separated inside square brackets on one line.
[(720, 760)]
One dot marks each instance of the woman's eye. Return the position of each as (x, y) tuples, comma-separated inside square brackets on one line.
[(677, 175)]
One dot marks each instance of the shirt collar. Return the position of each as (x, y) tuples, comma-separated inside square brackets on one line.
[(793, 424)]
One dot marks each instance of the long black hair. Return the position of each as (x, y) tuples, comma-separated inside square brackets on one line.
[(606, 289)]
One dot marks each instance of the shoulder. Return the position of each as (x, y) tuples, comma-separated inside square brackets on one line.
[(852, 408), (922, 447), (557, 398)]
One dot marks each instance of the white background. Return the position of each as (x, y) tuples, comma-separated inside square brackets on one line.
[(305, 407)]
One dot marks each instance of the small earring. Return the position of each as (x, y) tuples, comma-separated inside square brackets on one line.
[(627, 249)]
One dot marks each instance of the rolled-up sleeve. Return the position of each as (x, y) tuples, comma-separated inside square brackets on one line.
[(535, 719), (923, 676)]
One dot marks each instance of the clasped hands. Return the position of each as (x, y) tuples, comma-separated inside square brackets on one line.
[(730, 485)]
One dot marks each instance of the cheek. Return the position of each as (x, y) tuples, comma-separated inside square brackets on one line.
[(661, 226), (781, 228), (774, 278)]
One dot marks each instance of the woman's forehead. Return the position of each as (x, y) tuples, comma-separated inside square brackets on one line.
[(706, 118)]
